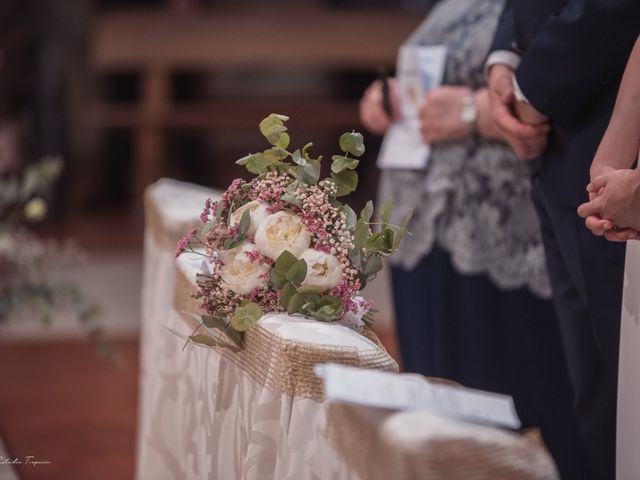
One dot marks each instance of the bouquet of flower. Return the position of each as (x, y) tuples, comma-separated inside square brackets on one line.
[(28, 286), (283, 242)]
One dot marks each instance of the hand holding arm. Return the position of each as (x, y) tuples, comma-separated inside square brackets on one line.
[(527, 141)]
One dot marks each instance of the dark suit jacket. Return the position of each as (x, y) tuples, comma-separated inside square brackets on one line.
[(573, 56)]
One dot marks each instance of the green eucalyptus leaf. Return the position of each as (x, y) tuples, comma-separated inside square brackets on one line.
[(233, 242), (387, 235), (273, 127), (352, 142), (372, 265), (297, 173), (246, 316), (367, 212), (201, 339), (375, 242), (346, 181), (341, 163), (244, 160), (283, 140), (298, 272), (332, 301), (220, 324), (355, 256), (245, 222), (311, 172), (309, 289), (235, 336), (305, 150), (406, 219), (255, 163), (295, 303), (385, 211), (381, 241), (361, 234), (351, 217), (403, 228), (287, 292), (298, 158), (275, 154), (287, 197), (285, 261), (214, 322), (277, 279), (326, 314), (309, 308)]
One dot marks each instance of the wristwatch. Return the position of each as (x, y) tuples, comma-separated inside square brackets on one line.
[(469, 112)]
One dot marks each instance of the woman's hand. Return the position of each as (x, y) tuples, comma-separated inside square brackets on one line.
[(372, 114), (440, 115), (614, 200)]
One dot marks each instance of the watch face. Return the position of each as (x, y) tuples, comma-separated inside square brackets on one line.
[(469, 111)]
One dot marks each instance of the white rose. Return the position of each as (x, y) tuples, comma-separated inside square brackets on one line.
[(323, 270), (239, 273), (227, 256), (257, 213), (282, 231)]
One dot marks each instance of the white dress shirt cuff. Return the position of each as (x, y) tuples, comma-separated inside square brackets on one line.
[(504, 57), (517, 92)]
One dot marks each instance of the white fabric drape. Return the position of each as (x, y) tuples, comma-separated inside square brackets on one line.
[(207, 419), (628, 436), (174, 205)]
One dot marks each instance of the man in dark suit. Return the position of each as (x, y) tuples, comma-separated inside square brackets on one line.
[(553, 75)]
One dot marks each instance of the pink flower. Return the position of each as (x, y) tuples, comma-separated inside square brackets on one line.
[(314, 225), (183, 243), (277, 207), (204, 216), (228, 195), (322, 247), (347, 291), (256, 256)]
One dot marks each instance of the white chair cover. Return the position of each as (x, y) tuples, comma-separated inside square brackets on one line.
[(171, 208)]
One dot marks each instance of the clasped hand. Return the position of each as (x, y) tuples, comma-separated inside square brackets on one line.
[(521, 125), (614, 196)]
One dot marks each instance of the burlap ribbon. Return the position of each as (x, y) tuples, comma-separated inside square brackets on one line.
[(284, 365), (437, 456)]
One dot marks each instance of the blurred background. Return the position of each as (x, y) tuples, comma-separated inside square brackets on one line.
[(126, 92)]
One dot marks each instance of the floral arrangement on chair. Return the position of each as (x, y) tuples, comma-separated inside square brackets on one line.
[(283, 242), (29, 288)]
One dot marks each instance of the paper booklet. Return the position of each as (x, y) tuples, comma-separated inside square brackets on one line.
[(394, 391), (419, 70)]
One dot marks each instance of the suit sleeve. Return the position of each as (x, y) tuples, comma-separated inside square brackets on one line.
[(577, 54), (504, 37)]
